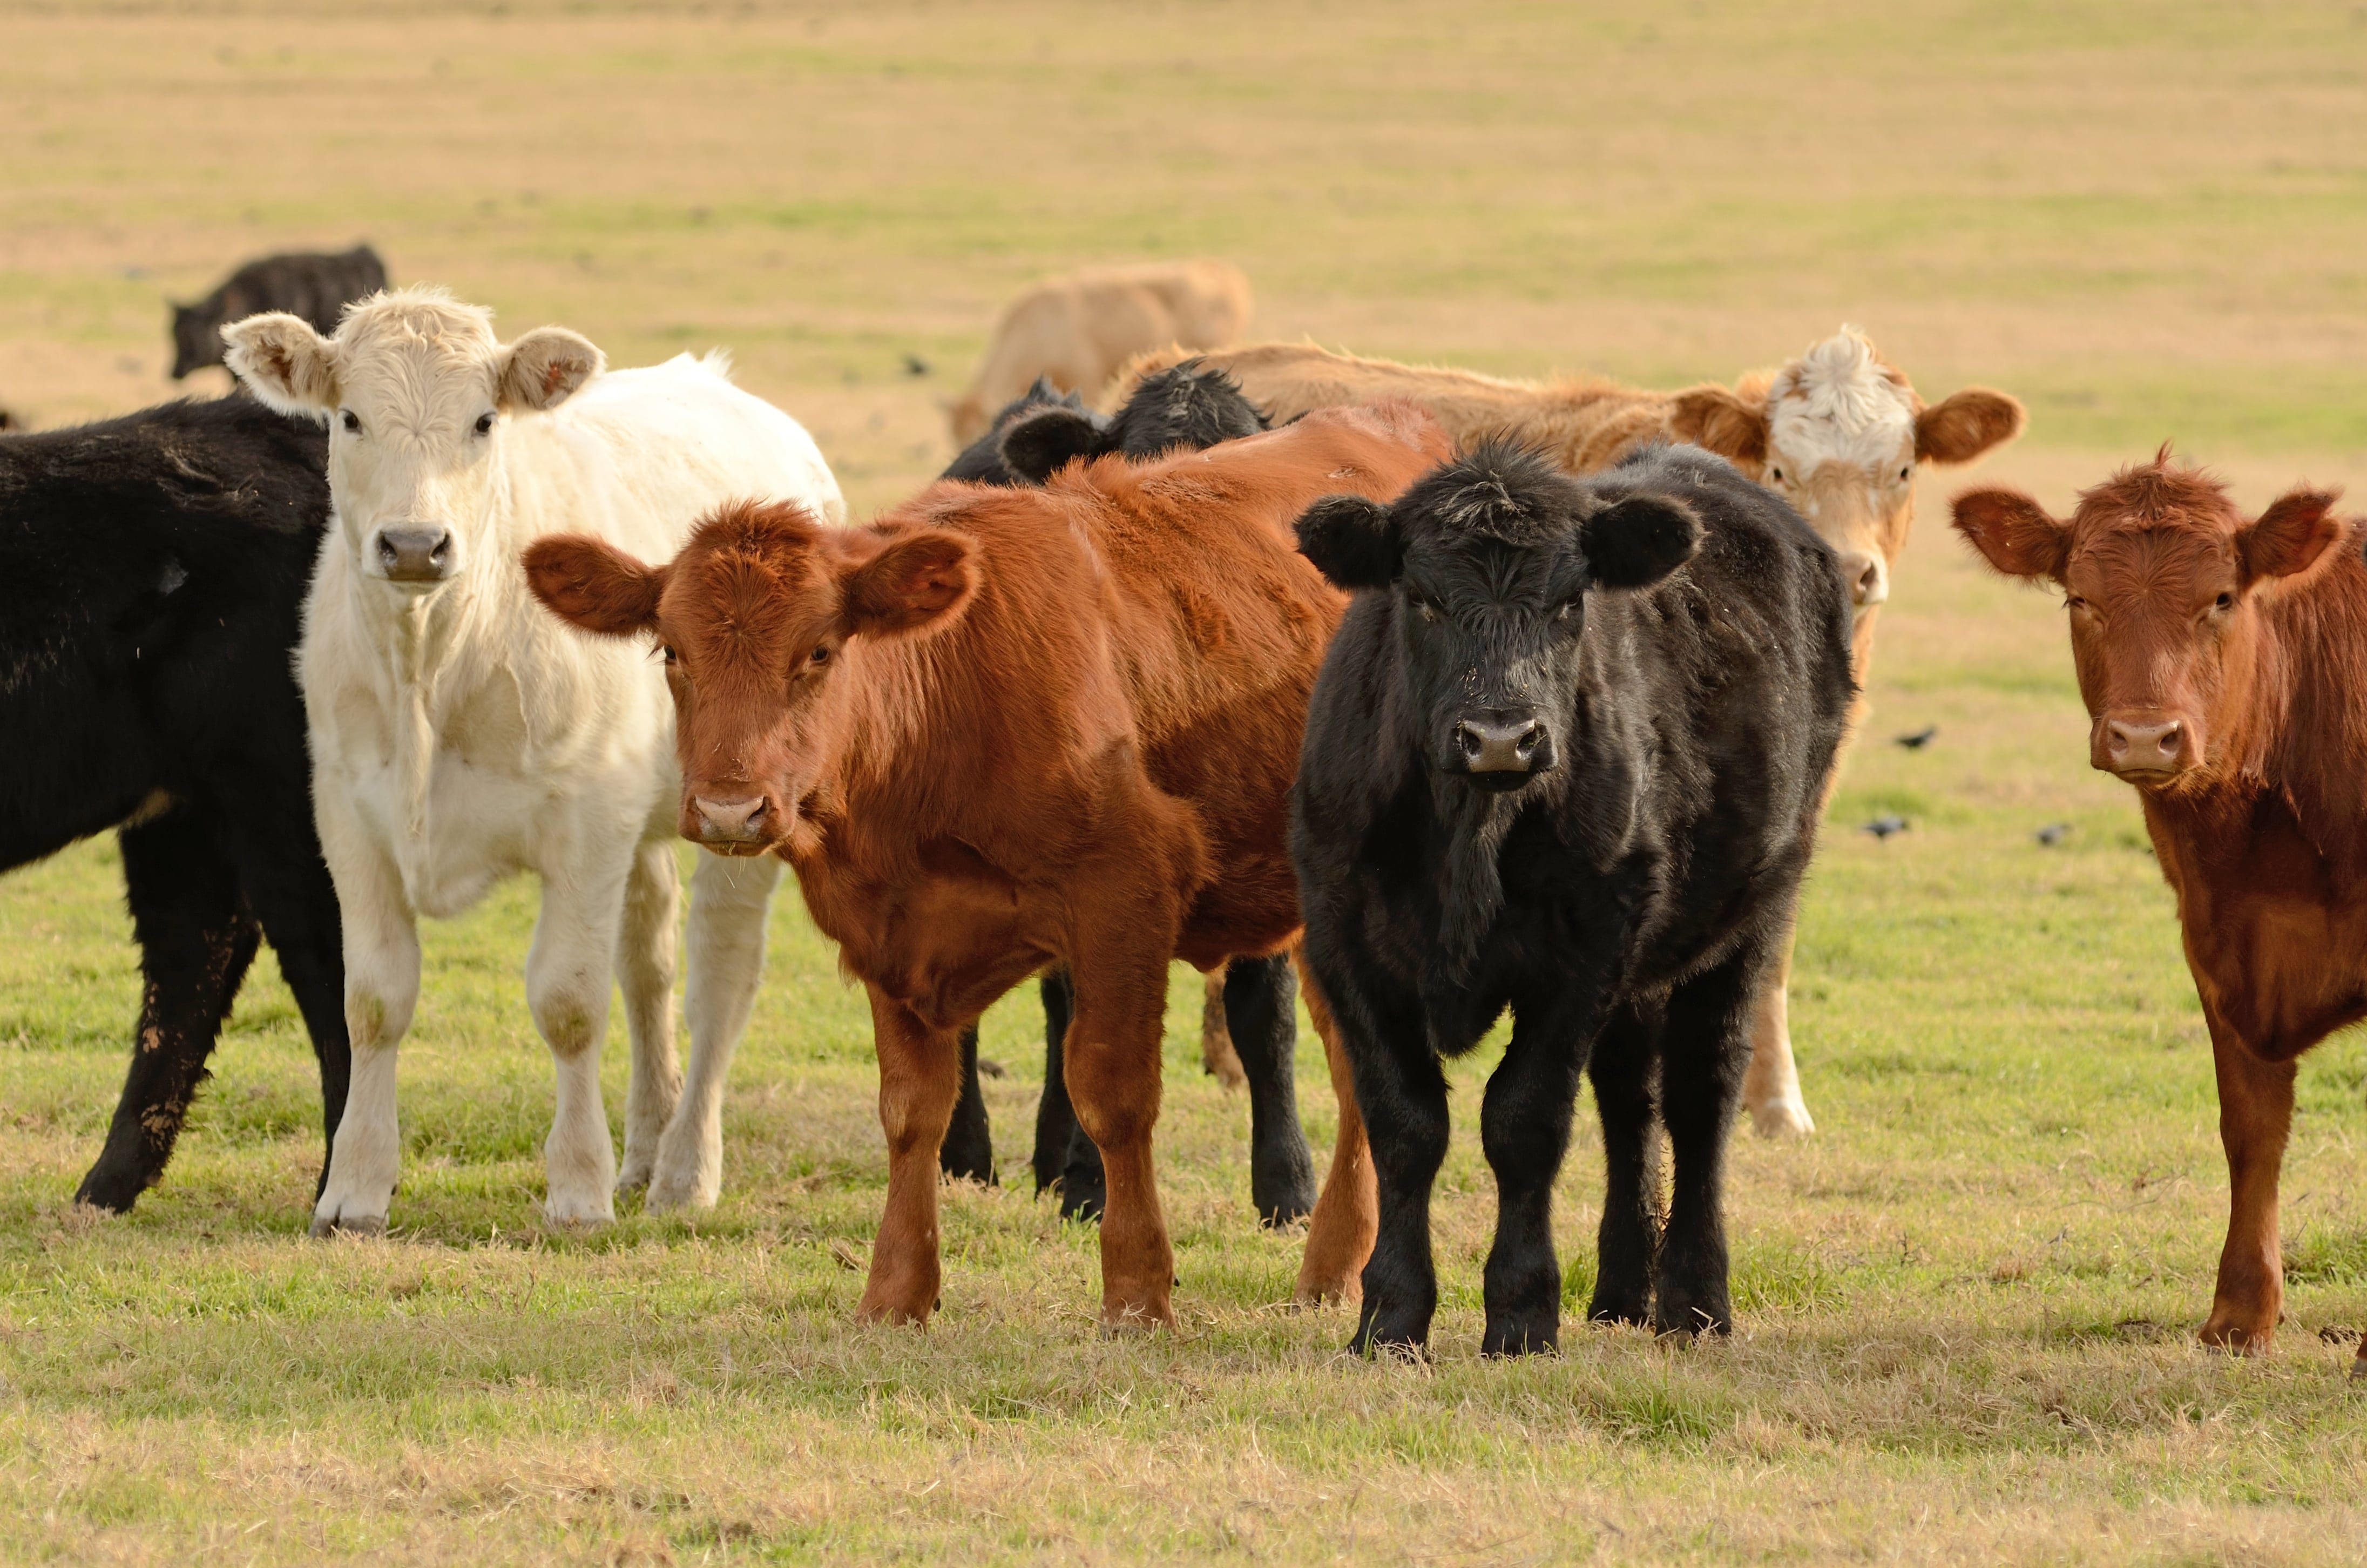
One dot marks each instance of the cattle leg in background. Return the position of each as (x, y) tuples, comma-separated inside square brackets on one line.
[(1064, 1155), (196, 942), (1339, 1232), (968, 1153), (1218, 1057), (645, 965), (1259, 994), (730, 897)]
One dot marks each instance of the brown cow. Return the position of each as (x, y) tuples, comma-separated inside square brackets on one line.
[(1002, 729), (2224, 664), (1836, 432), (1077, 330)]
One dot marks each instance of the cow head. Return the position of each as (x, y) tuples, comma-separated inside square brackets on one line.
[(1192, 406), (2162, 576), (764, 621), (1489, 560), (197, 339), (1839, 433), (415, 390)]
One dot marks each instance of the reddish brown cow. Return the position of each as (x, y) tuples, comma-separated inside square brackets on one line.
[(2224, 664), (1002, 729)]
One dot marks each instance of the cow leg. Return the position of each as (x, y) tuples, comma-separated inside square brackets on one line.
[(1624, 1068), (1524, 1128), (1771, 1089), (1704, 1046), (2255, 1115), (645, 964), (1218, 1057), (1111, 1063), (1340, 1233), (1402, 1093), (1259, 994), (1065, 1157), (730, 898), (920, 1078), (288, 888), (381, 942), (967, 1152), (567, 977), (195, 941)]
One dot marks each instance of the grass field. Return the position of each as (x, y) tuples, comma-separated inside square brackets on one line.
[(1964, 1307)]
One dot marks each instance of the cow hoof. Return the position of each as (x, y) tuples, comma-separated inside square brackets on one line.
[(355, 1225), (632, 1178), (1783, 1119), (673, 1197), (1136, 1319), (2235, 1338), (2359, 1371), (578, 1214), (1339, 1291)]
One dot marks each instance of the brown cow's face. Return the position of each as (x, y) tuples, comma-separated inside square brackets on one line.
[(2162, 578), (765, 622)]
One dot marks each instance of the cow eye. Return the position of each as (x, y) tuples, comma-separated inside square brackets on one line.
[(353, 423), (1775, 472), (667, 654), (2073, 601), (819, 657), (2226, 601), (1906, 473), (485, 423)]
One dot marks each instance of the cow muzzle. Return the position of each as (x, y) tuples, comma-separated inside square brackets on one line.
[(1867, 577), (416, 557), (730, 825), (1500, 750), (2145, 745)]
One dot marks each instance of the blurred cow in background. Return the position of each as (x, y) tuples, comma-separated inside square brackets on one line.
[(1837, 432), (1077, 330), (313, 286)]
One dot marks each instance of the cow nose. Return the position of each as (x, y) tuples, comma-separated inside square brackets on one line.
[(1868, 579), (729, 821), (415, 555), (1505, 746), (2156, 747)]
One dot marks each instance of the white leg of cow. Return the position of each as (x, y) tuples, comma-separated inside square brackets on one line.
[(567, 979), (381, 943), (1771, 1087), (728, 903), (645, 963)]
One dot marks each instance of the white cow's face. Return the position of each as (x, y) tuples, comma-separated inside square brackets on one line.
[(1837, 433), (414, 388)]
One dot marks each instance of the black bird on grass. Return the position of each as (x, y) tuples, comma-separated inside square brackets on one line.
[(1920, 738), (1884, 826), (2053, 834)]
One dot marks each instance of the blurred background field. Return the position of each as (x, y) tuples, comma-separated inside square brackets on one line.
[(1964, 1305)]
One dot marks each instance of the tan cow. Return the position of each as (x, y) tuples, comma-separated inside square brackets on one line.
[(1837, 432), (1080, 328)]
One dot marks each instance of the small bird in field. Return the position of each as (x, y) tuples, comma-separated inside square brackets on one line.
[(989, 1067), (1884, 826), (1920, 738), (2052, 832), (915, 366)]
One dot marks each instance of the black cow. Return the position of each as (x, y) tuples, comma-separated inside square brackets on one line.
[(1565, 756), (1193, 405), (316, 286), (151, 572)]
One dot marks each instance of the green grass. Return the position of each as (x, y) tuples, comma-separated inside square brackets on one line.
[(1964, 1307)]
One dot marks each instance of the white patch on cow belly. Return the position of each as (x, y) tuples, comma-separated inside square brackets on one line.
[(1835, 404)]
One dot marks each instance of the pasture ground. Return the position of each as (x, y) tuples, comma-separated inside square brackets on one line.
[(1965, 1306)]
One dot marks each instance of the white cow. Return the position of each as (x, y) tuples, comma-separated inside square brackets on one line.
[(459, 734)]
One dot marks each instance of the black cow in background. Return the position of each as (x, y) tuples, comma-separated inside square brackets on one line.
[(151, 571), (1189, 404), (315, 286), (1565, 756)]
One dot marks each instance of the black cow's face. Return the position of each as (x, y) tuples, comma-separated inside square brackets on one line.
[(1489, 560), (197, 339)]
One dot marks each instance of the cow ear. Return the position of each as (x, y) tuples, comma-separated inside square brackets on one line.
[(924, 578), (1717, 419), (1958, 428), (1041, 444), (2289, 536), (590, 584), (285, 362), (1353, 541), (545, 367), (2012, 532), (1635, 543)]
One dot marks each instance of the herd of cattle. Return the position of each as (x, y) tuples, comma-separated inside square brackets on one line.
[(1416, 694)]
